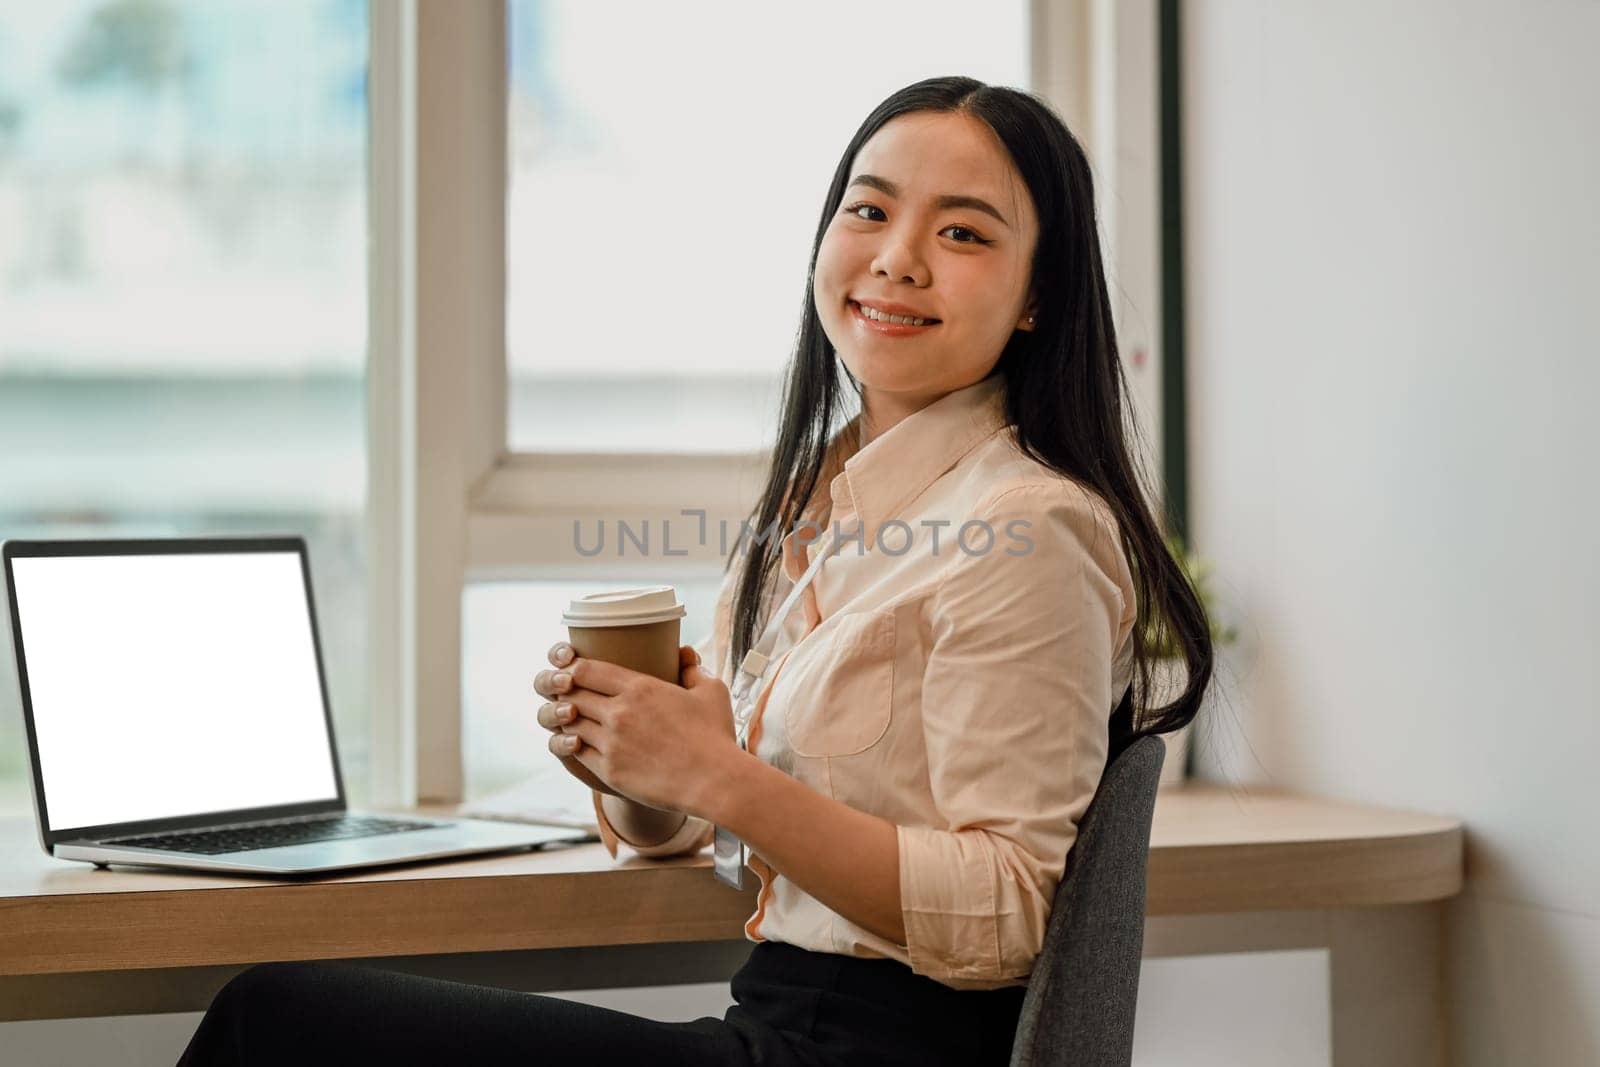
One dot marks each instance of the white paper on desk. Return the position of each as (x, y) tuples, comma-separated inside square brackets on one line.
[(549, 797)]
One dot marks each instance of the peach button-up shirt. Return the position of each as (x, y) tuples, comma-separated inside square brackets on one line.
[(952, 669)]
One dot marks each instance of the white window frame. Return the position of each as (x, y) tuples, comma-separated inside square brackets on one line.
[(448, 503)]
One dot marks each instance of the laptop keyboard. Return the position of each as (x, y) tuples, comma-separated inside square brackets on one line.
[(272, 835)]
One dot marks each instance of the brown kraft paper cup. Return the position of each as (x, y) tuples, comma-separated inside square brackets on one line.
[(634, 628)]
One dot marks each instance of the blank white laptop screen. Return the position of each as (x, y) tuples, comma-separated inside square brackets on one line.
[(168, 685)]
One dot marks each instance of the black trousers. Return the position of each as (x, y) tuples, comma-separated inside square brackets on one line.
[(793, 1007)]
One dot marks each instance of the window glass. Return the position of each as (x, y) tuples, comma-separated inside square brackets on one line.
[(668, 167), (183, 277)]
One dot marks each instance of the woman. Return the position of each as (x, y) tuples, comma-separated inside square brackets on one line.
[(940, 703)]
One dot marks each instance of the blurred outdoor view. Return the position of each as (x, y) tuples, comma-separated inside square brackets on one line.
[(664, 199), (183, 293)]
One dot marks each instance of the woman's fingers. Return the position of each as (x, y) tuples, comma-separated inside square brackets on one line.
[(554, 715), (687, 657), (549, 684), (570, 740), (561, 716), (552, 684)]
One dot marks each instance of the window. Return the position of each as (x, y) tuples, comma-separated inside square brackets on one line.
[(663, 199), (183, 285), (661, 206)]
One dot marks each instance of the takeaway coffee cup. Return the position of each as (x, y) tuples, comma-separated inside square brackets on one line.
[(634, 628)]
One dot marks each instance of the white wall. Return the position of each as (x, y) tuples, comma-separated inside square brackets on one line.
[(1393, 270)]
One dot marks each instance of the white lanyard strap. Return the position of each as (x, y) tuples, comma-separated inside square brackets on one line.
[(755, 661)]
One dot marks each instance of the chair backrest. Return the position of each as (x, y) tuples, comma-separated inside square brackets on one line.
[(1079, 1007)]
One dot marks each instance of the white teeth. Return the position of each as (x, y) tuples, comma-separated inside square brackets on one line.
[(903, 320)]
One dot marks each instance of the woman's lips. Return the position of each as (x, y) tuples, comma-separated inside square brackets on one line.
[(888, 329)]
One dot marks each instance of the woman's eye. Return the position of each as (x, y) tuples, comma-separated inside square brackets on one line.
[(862, 207), (972, 236)]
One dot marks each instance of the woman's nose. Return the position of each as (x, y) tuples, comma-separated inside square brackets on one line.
[(897, 259)]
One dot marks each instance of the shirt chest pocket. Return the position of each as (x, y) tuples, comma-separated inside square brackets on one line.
[(842, 693)]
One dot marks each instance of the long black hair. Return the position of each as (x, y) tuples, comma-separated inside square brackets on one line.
[(1064, 388)]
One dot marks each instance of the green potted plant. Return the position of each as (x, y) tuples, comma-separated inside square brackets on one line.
[(1169, 673)]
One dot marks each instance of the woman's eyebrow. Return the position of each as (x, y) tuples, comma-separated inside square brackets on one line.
[(884, 185)]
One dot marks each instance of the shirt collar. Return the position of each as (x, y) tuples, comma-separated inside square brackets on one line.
[(876, 482)]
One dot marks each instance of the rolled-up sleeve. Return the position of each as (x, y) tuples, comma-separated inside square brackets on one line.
[(1015, 706), (694, 835)]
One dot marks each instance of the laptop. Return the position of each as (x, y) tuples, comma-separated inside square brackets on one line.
[(177, 714)]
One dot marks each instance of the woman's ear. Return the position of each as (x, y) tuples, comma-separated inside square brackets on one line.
[(1030, 315)]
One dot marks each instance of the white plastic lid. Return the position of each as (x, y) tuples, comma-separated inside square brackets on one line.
[(624, 607)]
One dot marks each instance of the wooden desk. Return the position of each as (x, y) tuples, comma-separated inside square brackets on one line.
[(78, 941)]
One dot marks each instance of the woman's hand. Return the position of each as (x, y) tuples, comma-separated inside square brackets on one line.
[(636, 736)]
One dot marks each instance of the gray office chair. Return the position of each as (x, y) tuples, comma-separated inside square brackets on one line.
[(1078, 1011)]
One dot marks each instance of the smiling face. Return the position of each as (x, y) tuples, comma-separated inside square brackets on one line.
[(935, 223)]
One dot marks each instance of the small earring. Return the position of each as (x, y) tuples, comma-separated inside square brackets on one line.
[(1030, 320)]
